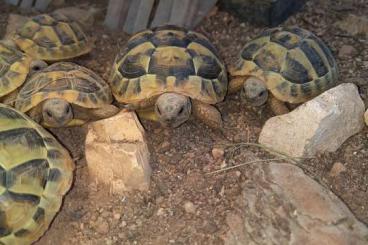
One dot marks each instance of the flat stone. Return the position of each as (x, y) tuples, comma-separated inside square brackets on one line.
[(320, 125), (279, 204), (117, 153)]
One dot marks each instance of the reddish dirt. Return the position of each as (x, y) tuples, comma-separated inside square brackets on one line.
[(181, 161)]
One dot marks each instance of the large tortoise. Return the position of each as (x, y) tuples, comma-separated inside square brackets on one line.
[(35, 173), (292, 63), (168, 73), (52, 37), (65, 94), (15, 67)]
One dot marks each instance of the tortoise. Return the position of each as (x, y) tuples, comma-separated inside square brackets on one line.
[(65, 94), (52, 37), (35, 174), (292, 64), (15, 67), (169, 73)]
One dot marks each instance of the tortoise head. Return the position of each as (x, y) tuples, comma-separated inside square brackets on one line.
[(254, 92), (57, 112), (173, 109)]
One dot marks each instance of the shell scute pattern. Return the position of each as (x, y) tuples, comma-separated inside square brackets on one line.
[(30, 194), (52, 37), (168, 59), (65, 80), (14, 68), (295, 64)]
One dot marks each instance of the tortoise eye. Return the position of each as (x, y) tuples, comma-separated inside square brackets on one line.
[(158, 110), (67, 110), (181, 110), (48, 113)]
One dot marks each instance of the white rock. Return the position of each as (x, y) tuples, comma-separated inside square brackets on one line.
[(279, 204), (319, 125), (189, 207), (366, 117), (117, 154)]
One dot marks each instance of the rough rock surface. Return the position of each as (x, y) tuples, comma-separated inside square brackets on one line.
[(117, 154), (320, 125), (279, 204)]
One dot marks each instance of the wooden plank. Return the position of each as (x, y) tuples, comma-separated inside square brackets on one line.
[(117, 12), (183, 12), (26, 4), (13, 2), (138, 16), (42, 4), (205, 6), (162, 14), (265, 12)]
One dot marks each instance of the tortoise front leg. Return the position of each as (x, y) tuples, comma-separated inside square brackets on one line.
[(235, 85), (103, 112), (278, 107), (207, 113)]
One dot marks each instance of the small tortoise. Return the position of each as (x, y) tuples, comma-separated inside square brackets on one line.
[(35, 174), (52, 37), (65, 94), (15, 67), (168, 73), (292, 63)]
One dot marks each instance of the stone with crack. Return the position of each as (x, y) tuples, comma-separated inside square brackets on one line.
[(280, 204), (117, 153), (320, 125)]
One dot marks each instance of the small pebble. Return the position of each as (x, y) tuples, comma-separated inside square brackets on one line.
[(218, 153), (337, 169), (189, 207)]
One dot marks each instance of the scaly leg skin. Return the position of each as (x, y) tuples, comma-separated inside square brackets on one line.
[(10, 99), (208, 114), (235, 85), (148, 114), (104, 112), (277, 106)]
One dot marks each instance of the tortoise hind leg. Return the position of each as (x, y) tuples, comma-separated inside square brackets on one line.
[(208, 114), (277, 106)]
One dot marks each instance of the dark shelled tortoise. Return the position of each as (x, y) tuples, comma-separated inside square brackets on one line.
[(15, 67), (292, 63), (52, 37), (35, 174), (169, 73), (65, 94)]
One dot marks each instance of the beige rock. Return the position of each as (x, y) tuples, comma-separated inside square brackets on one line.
[(117, 154), (279, 204), (14, 22), (366, 117), (319, 125)]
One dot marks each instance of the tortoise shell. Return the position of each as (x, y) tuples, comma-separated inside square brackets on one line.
[(168, 59), (52, 37), (14, 68), (295, 64), (35, 173), (64, 80)]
